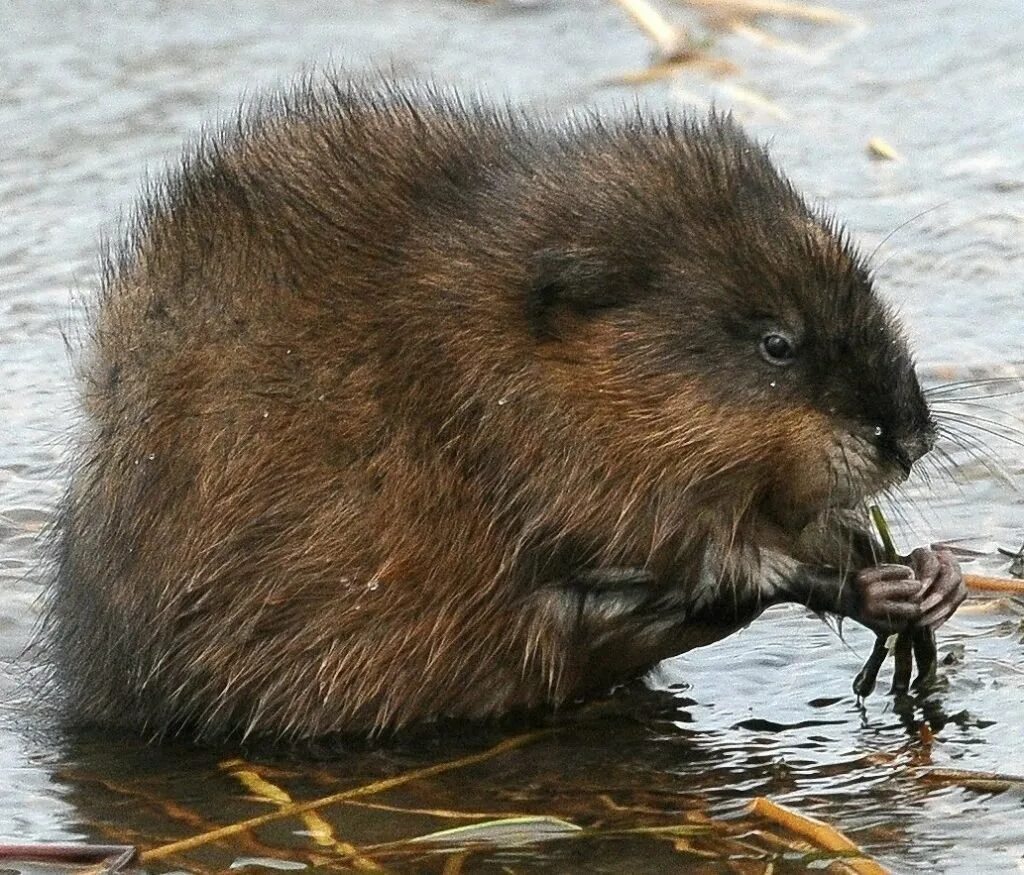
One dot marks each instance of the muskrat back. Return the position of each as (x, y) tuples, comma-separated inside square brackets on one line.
[(399, 407)]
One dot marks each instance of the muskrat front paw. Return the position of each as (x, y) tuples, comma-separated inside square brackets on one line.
[(925, 592), (943, 587), (889, 597), (913, 599)]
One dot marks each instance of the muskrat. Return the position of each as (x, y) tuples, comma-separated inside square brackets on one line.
[(399, 407)]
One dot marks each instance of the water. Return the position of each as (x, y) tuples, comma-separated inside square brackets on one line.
[(94, 95)]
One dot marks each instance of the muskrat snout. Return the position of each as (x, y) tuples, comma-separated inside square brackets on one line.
[(906, 451), (909, 432)]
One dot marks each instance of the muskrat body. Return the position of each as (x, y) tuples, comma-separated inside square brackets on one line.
[(399, 408)]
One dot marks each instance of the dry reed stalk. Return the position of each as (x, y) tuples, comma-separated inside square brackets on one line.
[(762, 37), (826, 837), (778, 8), (442, 813), (994, 782), (318, 829), (880, 150), (299, 808), (693, 60), (981, 583), (671, 41)]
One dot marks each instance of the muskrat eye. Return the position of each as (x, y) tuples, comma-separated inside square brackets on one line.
[(777, 349)]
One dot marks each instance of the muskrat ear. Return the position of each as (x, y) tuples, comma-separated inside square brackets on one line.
[(570, 282)]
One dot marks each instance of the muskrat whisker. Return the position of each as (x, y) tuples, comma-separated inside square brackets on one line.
[(966, 441), (942, 463), (982, 423), (958, 385), (978, 451), (862, 513), (984, 396), (897, 503), (828, 503), (861, 507), (952, 406), (846, 462), (962, 410), (896, 230), (925, 477), (926, 515), (947, 427)]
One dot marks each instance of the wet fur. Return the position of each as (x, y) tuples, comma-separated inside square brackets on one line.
[(378, 376)]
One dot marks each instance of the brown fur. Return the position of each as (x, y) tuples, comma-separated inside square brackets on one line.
[(378, 378)]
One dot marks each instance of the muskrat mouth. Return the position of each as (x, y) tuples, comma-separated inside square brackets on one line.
[(859, 472)]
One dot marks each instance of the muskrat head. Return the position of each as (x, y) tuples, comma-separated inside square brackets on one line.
[(730, 336)]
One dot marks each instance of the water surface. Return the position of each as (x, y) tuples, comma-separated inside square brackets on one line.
[(95, 95)]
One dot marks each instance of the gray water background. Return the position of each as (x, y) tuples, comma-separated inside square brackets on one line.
[(94, 95)]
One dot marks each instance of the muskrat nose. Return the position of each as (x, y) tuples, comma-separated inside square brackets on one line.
[(906, 451)]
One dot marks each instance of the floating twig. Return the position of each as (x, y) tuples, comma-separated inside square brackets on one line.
[(1017, 565), (505, 831), (880, 150), (995, 782), (318, 829), (981, 583), (758, 101), (112, 858), (778, 9), (694, 60), (672, 41), (298, 808), (440, 813), (818, 832), (761, 37)]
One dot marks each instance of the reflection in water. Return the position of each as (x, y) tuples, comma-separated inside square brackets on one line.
[(96, 94)]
